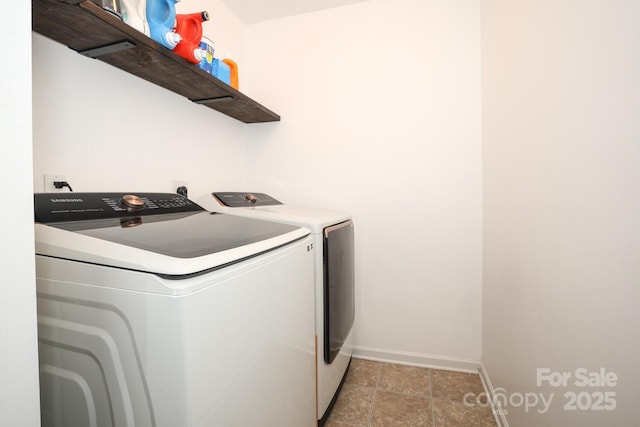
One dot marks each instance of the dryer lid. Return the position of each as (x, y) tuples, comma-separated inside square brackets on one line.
[(269, 209)]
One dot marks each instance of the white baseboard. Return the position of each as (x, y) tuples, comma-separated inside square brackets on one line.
[(417, 359), (498, 413)]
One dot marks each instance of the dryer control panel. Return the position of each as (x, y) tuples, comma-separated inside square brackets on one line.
[(56, 207), (235, 199)]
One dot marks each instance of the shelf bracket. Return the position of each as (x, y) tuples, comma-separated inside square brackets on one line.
[(107, 49), (213, 100)]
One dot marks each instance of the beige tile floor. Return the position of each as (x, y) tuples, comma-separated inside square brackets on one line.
[(386, 394)]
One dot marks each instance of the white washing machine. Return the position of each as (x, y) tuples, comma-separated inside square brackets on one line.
[(155, 312), (333, 236)]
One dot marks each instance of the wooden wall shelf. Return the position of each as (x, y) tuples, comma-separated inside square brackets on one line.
[(88, 29)]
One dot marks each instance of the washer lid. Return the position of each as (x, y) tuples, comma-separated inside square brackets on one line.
[(171, 244)]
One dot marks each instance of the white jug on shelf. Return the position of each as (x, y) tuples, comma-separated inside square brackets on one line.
[(134, 13)]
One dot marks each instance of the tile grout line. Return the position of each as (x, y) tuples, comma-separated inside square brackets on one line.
[(375, 394), (433, 415)]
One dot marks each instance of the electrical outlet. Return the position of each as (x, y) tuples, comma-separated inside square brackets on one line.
[(175, 184), (49, 178)]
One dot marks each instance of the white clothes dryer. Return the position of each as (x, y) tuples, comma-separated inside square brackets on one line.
[(333, 236), (154, 312)]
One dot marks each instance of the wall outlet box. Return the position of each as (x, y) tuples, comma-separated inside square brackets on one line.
[(175, 184), (49, 179)]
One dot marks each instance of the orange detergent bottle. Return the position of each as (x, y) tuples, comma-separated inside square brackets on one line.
[(233, 71), (189, 26)]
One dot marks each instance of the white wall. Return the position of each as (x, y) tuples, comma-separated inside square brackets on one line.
[(380, 106), (107, 130), (19, 401), (561, 101)]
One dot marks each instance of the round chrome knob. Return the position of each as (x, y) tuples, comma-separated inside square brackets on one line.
[(133, 202), (251, 198)]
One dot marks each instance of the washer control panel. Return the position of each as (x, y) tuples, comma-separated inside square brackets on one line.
[(56, 207), (236, 199)]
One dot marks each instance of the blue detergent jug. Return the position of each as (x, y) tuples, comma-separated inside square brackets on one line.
[(161, 19)]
